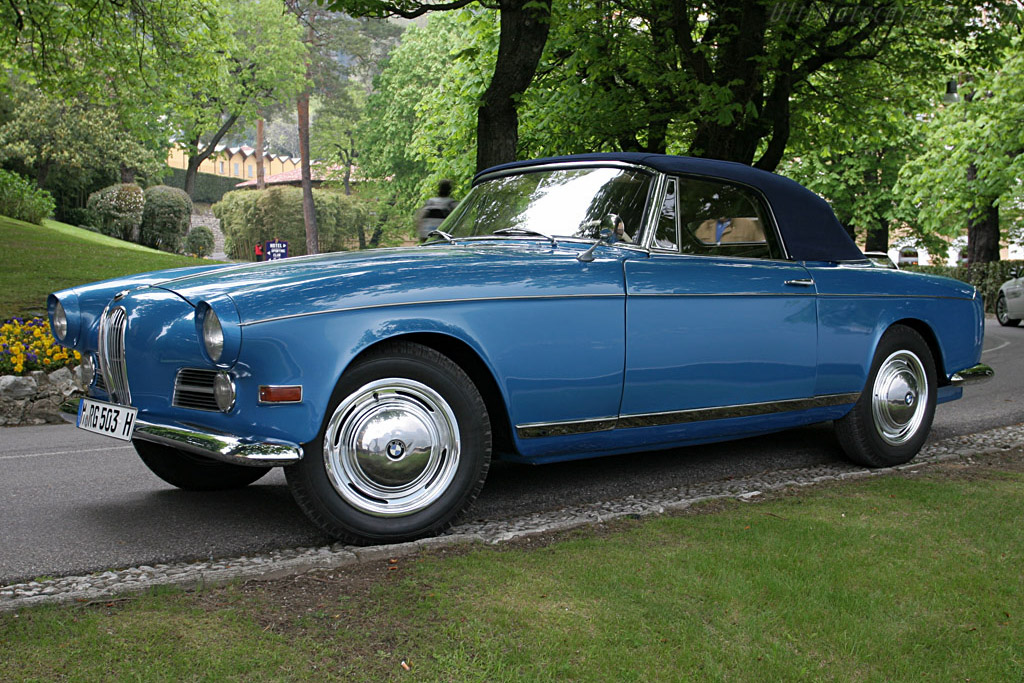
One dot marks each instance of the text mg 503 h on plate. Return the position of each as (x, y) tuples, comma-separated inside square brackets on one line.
[(568, 308)]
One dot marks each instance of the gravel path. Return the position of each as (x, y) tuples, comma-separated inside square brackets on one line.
[(289, 562)]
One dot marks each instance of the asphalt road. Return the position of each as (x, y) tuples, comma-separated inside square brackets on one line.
[(73, 502)]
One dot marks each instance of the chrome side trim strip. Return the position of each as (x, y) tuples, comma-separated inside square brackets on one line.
[(399, 304), (221, 447), (726, 412), (979, 374), (541, 429), (534, 430)]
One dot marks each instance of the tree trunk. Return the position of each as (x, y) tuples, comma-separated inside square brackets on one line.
[(983, 236), (877, 238), (261, 182), (308, 209), (204, 153), (982, 227), (524, 32)]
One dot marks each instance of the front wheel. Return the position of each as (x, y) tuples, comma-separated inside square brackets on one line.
[(1003, 314), (405, 448), (890, 421), (192, 472)]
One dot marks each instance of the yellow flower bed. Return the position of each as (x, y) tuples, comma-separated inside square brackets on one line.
[(28, 344)]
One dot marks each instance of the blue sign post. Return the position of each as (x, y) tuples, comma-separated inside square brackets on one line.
[(276, 249)]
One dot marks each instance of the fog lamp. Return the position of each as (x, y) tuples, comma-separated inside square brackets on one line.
[(224, 391), (87, 370)]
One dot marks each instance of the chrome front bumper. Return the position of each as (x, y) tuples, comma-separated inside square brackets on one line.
[(216, 446), (979, 374)]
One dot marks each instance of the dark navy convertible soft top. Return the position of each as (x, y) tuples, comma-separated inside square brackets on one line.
[(808, 225)]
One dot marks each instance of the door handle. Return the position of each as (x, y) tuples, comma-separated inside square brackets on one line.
[(807, 282)]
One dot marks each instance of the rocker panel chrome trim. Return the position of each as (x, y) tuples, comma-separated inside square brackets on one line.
[(535, 430)]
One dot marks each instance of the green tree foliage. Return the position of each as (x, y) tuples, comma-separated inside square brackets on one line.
[(418, 125), (199, 241), (166, 218), (22, 200), (69, 145), (130, 56), (117, 211), (251, 216), (722, 79), (972, 160), (854, 131), (263, 61)]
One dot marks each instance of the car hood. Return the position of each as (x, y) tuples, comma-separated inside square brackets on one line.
[(383, 277)]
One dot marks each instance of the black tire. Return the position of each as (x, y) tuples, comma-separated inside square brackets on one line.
[(404, 449), (1003, 315), (193, 472), (891, 419)]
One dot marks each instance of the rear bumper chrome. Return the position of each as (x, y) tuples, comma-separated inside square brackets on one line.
[(979, 374), (213, 445)]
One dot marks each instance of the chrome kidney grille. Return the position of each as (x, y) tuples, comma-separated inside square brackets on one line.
[(111, 353)]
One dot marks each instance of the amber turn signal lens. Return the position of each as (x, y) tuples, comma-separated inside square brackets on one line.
[(281, 394)]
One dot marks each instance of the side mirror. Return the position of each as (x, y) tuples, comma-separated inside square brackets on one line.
[(606, 232)]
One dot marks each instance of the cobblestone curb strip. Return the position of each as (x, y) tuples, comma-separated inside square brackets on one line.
[(283, 563)]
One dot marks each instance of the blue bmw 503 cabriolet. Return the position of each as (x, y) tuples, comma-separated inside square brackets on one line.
[(568, 308)]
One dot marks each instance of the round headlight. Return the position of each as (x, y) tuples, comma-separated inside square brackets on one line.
[(224, 391), (60, 322), (213, 335)]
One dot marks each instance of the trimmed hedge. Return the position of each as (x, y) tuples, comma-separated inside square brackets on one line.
[(987, 277), (251, 216), (208, 189), (199, 241), (22, 200), (117, 210), (166, 218)]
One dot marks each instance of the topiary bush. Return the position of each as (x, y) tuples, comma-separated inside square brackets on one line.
[(117, 210), (251, 216), (166, 217), (22, 200), (199, 241)]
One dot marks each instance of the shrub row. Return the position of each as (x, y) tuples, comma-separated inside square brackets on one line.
[(22, 200), (987, 277), (158, 217), (251, 216)]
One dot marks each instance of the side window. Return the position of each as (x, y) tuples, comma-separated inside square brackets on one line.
[(719, 219), (667, 236)]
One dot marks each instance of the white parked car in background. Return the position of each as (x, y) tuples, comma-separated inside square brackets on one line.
[(1010, 304)]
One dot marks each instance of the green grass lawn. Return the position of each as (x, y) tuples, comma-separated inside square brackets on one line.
[(896, 578), (41, 259)]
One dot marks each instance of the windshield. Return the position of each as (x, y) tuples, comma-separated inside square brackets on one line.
[(555, 203)]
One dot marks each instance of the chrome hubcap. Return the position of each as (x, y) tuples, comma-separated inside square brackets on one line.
[(899, 397), (392, 447), (1001, 310)]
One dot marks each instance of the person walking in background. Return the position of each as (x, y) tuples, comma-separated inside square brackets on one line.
[(258, 250), (435, 210)]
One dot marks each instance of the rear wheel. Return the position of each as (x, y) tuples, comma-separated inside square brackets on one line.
[(192, 472), (890, 421), (404, 450), (1003, 314)]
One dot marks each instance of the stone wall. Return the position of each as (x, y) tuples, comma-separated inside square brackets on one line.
[(35, 398)]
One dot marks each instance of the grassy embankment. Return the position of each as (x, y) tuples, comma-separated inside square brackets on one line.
[(38, 260), (899, 578)]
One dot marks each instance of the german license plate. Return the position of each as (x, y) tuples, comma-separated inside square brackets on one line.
[(107, 419)]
